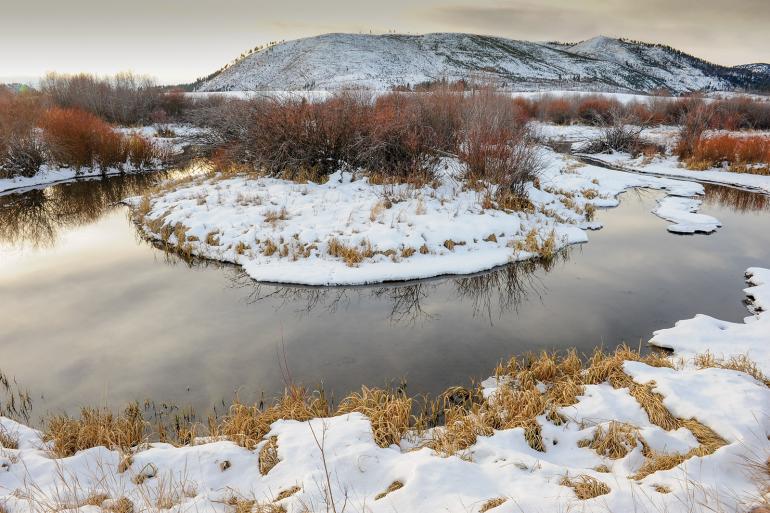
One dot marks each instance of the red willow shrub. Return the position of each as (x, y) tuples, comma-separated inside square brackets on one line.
[(399, 135), (80, 139), (738, 152)]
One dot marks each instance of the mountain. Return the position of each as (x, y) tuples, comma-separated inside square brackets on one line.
[(335, 61)]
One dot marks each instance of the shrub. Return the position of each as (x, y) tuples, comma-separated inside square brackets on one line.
[(21, 152), (738, 152), (80, 139), (497, 147), (123, 98), (597, 110)]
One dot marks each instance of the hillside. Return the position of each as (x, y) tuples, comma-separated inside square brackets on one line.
[(334, 61)]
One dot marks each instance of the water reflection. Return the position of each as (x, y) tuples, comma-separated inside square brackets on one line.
[(36, 217), (489, 295), (738, 200)]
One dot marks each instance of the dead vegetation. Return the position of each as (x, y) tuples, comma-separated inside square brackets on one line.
[(395, 485), (492, 504), (585, 486)]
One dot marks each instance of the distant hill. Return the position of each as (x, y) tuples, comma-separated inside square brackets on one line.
[(335, 61)]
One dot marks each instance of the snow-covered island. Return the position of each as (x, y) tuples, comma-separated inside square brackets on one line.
[(350, 231)]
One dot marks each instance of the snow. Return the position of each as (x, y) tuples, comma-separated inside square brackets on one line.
[(379, 62), (670, 166), (722, 339), (683, 212), (239, 219)]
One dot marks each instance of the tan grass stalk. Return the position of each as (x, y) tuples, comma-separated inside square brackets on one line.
[(395, 485), (585, 486)]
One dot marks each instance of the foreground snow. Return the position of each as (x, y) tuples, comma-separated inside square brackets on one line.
[(726, 340), (282, 231)]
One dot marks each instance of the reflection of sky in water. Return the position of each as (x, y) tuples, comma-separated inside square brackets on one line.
[(92, 315)]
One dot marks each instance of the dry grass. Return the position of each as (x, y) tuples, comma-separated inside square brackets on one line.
[(268, 455), (389, 413), (662, 488), (95, 427), (614, 441), (121, 505), (395, 485), (8, 440), (350, 254), (247, 425), (491, 504), (285, 494), (585, 486), (740, 363)]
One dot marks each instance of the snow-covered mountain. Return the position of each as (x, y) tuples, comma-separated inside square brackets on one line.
[(335, 61)]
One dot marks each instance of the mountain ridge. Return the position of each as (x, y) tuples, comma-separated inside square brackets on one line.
[(339, 60)]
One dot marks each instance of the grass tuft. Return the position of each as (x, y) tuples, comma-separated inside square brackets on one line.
[(395, 485), (585, 486)]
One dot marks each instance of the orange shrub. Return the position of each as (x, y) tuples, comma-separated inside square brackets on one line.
[(80, 139), (735, 151), (597, 110)]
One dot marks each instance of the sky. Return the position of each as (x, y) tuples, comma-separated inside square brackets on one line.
[(179, 40)]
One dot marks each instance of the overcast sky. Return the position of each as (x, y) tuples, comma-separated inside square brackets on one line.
[(179, 40)]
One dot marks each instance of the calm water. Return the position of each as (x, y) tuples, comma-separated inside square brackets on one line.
[(91, 314)]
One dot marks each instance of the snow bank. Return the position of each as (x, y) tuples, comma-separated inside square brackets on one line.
[(282, 231), (723, 339), (682, 212)]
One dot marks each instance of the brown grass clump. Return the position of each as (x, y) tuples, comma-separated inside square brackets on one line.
[(268, 455), (94, 428), (389, 413), (709, 442), (8, 440), (662, 488), (351, 255), (614, 441), (122, 505), (269, 248), (285, 494), (740, 363), (395, 485), (491, 504), (273, 216), (247, 425), (585, 486)]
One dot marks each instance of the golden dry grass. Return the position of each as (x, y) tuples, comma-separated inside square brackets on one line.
[(285, 494), (8, 440), (615, 440), (122, 505), (395, 485), (268, 455), (351, 255), (585, 486), (389, 413), (491, 504), (95, 427)]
